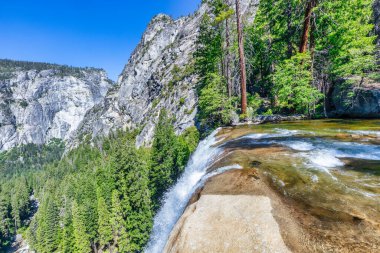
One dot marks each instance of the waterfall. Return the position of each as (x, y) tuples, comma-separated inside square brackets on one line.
[(177, 197)]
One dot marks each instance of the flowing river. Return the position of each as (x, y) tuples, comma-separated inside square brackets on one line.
[(330, 167)]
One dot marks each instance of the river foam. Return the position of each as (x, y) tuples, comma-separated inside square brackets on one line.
[(318, 153)]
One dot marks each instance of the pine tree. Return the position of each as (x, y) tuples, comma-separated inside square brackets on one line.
[(20, 201), (209, 49), (5, 221), (293, 84), (163, 157), (31, 234), (346, 26), (135, 198), (104, 225), (306, 26), (243, 75), (117, 222), (140, 217), (48, 225), (213, 102), (82, 240), (67, 243)]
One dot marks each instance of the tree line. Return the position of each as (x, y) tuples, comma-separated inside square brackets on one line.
[(8, 67)]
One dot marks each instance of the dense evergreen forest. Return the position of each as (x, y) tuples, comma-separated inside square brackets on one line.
[(287, 60), (97, 197), (102, 195)]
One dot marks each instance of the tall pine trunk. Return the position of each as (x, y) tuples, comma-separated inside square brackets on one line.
[(243, 75), (94, 248), (228, 60), (376, 13), (306, 26), (289, 28)]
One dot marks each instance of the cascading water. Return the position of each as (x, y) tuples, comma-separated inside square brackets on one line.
[(330, 168), (177, 197)]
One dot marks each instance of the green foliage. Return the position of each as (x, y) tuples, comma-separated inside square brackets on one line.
[(293, 88), (181, 101), (23, 103), (95, 197), (102, 197), (118, 224), (375, 76), (131, 170), (20, 202), (340, 45), (48, 224), (268, 112), (155, 103), (224, 14), (169, 156), (29, 157), (67, 240), (209, 49), (344, 31), (5, 221), (272, 38), (19, 168), (254, 102), (179, 74), (81, 238), (163, 157), (214, 104)]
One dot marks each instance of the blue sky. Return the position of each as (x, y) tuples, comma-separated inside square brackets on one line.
[(95, 33)]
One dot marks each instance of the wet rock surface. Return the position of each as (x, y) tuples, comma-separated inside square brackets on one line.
[(234, 212), (361, 99)]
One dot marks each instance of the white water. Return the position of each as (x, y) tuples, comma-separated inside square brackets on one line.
[(176, 198), (299, 145), (318, 153), (365, 133), (278, 133), (321, 154)]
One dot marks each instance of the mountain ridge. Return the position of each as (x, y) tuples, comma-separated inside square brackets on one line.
[(43, 101), (159, 75)]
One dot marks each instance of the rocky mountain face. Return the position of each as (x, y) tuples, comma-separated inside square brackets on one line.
[(159, 74), (39, 102)]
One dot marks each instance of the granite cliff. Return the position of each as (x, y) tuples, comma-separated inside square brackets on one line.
[(39, 101), (159, 74)]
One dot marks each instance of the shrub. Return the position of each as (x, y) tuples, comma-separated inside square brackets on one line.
[(23, 104), (181, 101)]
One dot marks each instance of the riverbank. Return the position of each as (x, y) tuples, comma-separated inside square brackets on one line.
[(261, 119)]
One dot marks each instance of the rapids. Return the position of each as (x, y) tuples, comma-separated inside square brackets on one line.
[(331, 165)]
